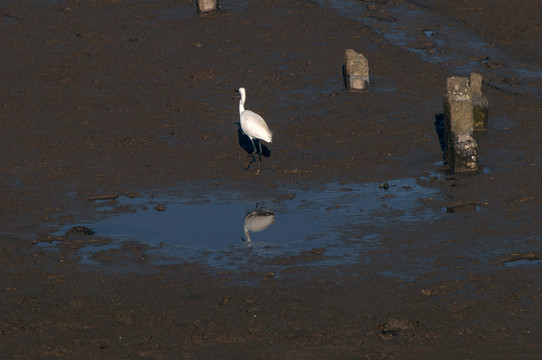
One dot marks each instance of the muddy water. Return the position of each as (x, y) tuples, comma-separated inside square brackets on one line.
[(213, 229), (363, 224)]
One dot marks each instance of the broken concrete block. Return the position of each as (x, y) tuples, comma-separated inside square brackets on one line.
[(464, 154), (207, 6), (461, 148), (356, 71), (479, 102)]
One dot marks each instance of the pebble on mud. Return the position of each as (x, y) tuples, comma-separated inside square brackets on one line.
[(80, 230), (463, 207), (225, 300), (160, 207), (318, 251), (284, 197), (394, 327), (428, 292)]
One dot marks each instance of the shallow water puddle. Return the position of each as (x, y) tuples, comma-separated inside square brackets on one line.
[(516, 258), (296, 221), (523, 262)]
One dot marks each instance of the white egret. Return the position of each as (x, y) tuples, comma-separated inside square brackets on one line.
[(254, 126)]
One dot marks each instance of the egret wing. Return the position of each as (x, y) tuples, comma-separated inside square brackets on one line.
[(254, 125)]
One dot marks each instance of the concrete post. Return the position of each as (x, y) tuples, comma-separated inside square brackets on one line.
[(356, 71), (479, 102), (461, 147), (207, 6)]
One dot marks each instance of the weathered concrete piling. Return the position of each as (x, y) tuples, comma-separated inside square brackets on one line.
[(356, 71), (461, 148), (479, 102), (207, 6)]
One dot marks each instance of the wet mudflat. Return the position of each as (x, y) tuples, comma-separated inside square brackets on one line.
[(124, 195)]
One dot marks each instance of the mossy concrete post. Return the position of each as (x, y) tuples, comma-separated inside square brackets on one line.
[(461, 148), (479, 102), (356, 71), (207, 6)]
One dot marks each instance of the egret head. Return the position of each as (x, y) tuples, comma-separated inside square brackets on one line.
[(243, 94)]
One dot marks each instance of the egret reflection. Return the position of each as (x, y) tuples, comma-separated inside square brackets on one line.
[(257, 220)]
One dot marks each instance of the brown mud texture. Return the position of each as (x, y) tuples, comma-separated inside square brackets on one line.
[(100, 98)]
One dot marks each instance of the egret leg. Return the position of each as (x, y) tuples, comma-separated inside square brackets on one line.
[(250, 155), (259, 158), (248, 162), (254, 146), (247, 236)]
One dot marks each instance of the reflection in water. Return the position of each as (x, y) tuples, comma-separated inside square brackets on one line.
[(257, 220), (348, 220)]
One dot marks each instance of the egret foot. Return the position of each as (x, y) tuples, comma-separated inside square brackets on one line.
[(248, 160)]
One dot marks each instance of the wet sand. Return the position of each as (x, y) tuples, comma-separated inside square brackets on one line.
[(114, 97)]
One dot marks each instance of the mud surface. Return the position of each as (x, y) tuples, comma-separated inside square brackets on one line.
[(107, 98)]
